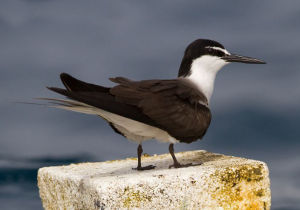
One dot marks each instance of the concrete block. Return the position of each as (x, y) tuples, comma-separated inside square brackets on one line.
[(221, 182)]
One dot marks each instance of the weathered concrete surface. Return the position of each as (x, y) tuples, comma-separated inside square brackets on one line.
[(221, 182)]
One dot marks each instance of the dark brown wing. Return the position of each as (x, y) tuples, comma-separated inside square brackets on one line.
[(99, 97), (76, 85), (175, 105)]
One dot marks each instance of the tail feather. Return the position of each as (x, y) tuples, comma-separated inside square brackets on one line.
[(73, 84), (59, 90), (71, 105), (64, 102)]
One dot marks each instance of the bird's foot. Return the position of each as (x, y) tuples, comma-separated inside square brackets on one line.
[(149, 167), (178, 165)]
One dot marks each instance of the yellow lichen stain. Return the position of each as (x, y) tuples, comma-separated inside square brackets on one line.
[(112, 161), (260, 193), (131, 158), (134, 198), (146, 155), (236, 191)]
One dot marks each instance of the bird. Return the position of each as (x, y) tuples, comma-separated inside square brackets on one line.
[(168, 110)]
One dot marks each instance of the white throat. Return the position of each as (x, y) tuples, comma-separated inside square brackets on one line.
[(203, 73)]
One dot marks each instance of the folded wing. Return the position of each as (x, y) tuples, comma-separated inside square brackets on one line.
[(175, 105)]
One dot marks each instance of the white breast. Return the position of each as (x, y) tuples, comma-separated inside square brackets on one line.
[(204, 71)]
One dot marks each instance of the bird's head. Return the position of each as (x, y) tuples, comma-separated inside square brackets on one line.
[(210, 55), (203, 59)]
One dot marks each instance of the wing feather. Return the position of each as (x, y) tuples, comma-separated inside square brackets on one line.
[(172, 104)]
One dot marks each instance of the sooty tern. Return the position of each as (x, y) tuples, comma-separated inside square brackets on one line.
[(174, 110)]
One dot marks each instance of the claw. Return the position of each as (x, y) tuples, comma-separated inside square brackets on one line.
[(149, 167), (178, 165)]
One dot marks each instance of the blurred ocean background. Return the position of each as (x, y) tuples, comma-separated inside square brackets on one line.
[(255, 107)]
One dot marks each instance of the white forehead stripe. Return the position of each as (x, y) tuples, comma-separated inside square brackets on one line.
[(220, 49)]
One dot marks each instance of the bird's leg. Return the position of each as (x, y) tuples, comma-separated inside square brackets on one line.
[(139, 166), (176, 164)]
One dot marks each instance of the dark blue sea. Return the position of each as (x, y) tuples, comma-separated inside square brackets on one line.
[(255, 108)]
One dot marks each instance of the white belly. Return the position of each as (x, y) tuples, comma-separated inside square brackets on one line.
[(133, 130), (136, 131)]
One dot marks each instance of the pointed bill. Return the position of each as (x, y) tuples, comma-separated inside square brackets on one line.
[(242, 59)]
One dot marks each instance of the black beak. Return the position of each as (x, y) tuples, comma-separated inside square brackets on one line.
[(242, 59)]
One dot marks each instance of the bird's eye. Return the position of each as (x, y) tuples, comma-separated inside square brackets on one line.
[(209, 50)]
